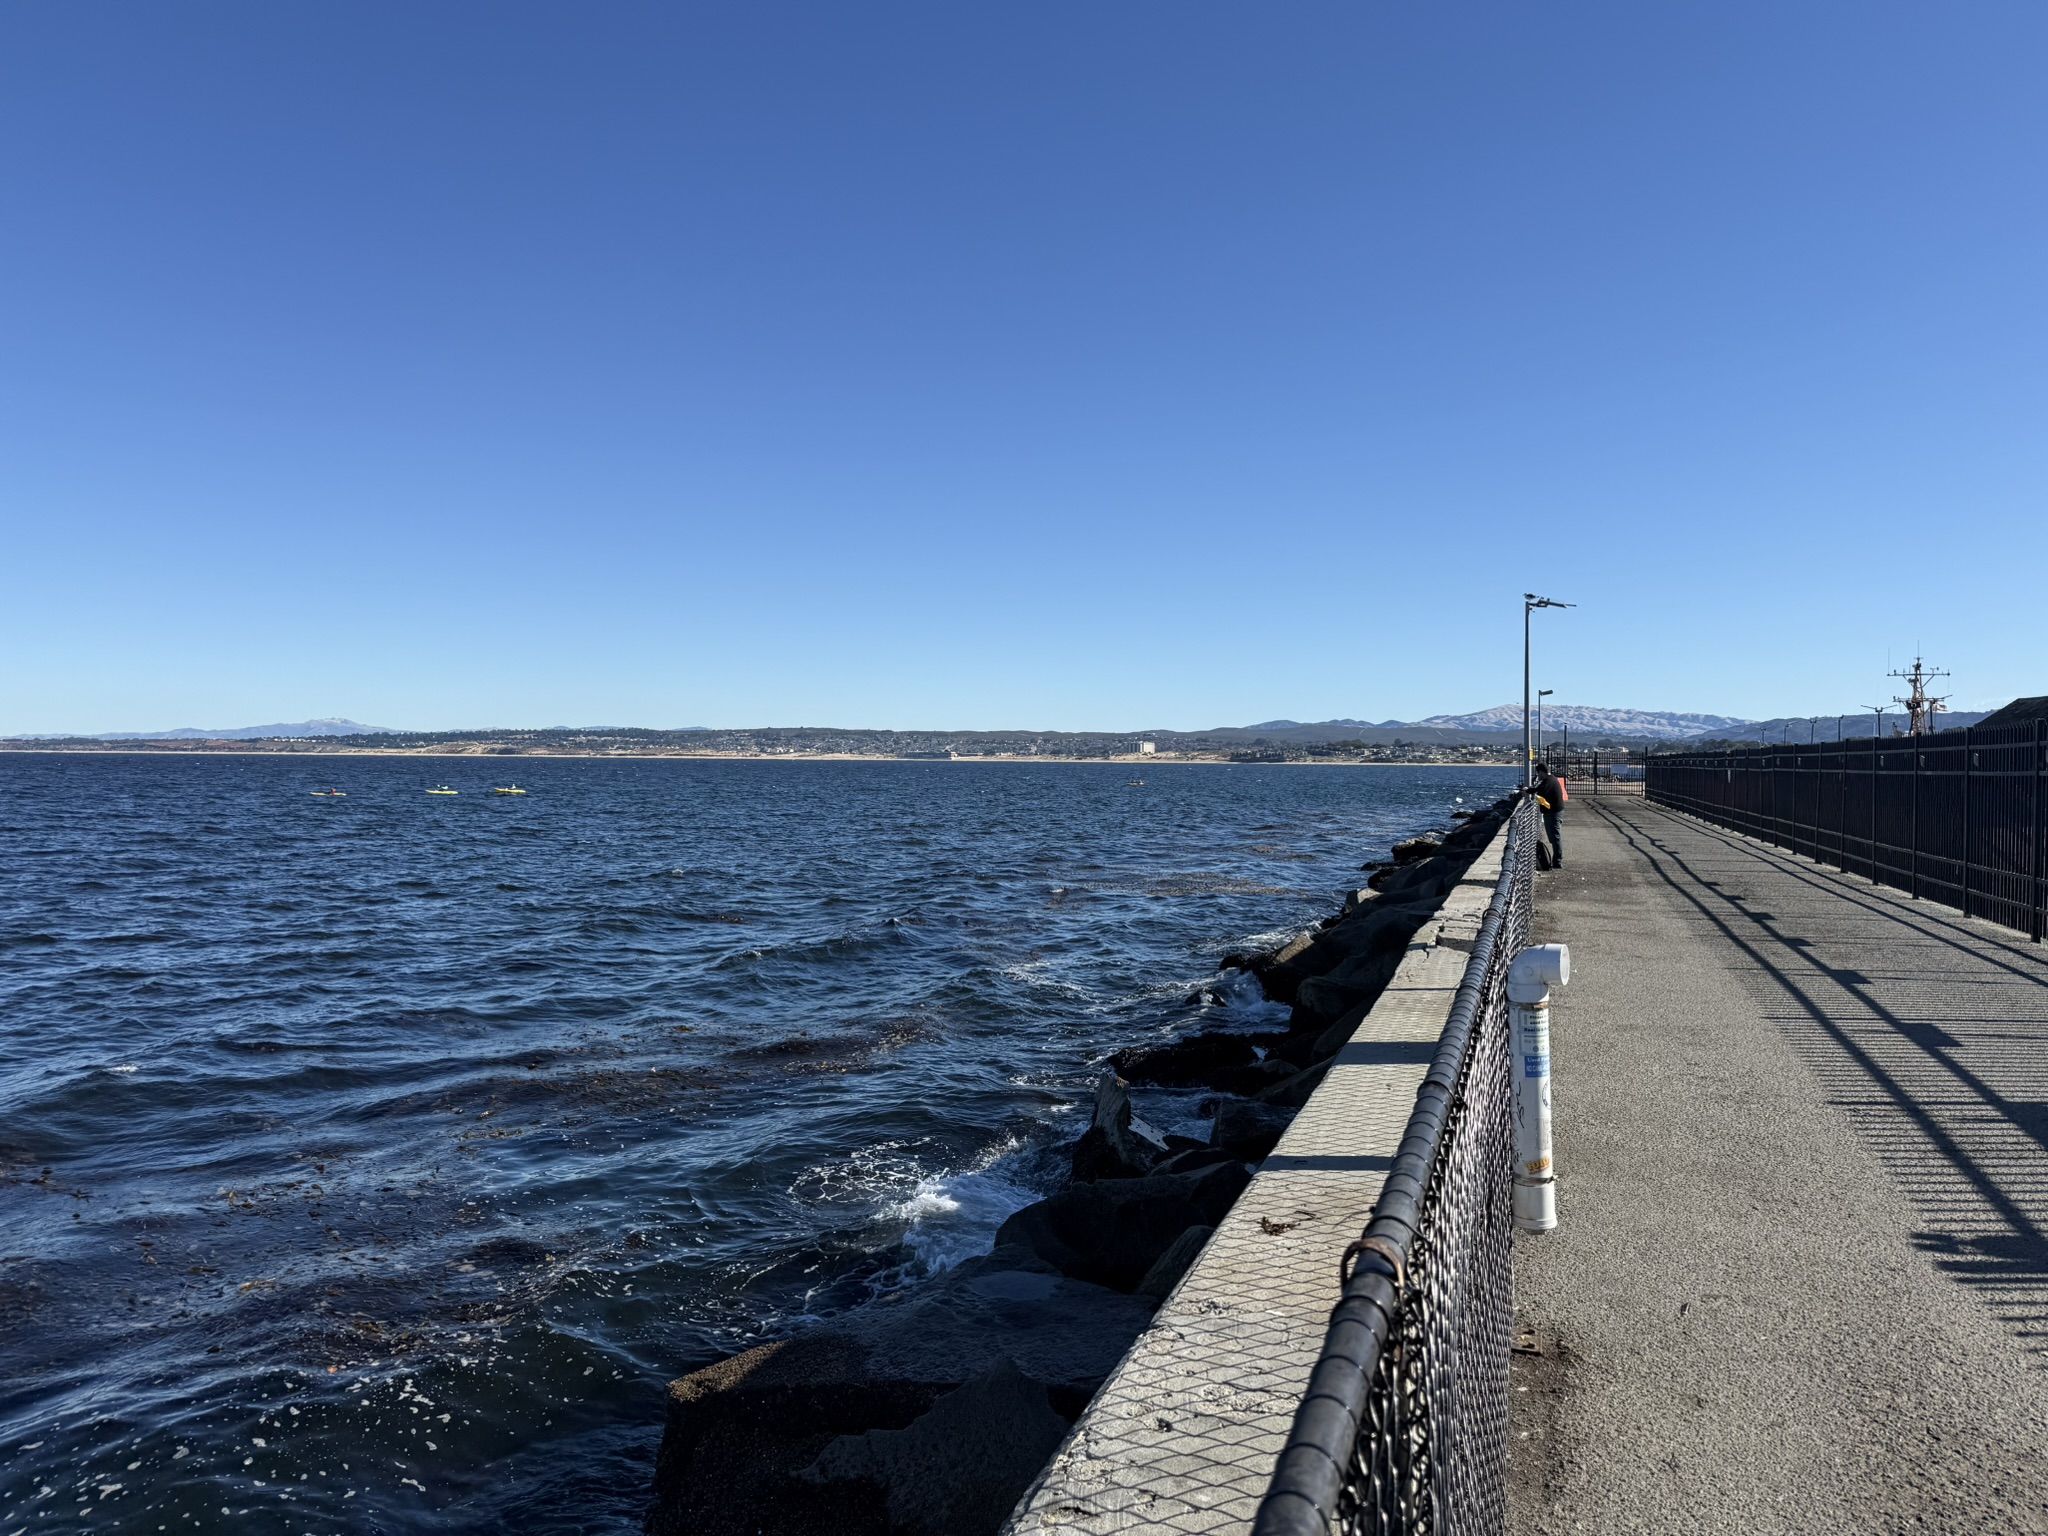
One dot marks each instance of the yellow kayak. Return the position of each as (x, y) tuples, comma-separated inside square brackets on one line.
[(444, 790), (509, 789)]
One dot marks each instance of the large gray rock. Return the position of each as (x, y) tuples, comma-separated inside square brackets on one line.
[(1167, 1269), (1293, 1092), (1195, 1159), (1217, 1059), (1009, 1304), (1375, 928), (741, 1431), (1248, 1130), (1115, 1145), (1282, 970), (1407, 882), (1355, 984), (1113, 1232), (1338, 1035), (960, 1467)]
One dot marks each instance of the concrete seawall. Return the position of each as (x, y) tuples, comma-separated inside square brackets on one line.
[(1184, 1433)]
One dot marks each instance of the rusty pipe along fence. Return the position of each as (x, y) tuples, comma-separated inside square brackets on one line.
[(1403, 1428), (1956, 817)]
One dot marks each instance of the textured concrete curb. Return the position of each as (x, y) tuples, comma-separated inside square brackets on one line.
[(1184, 1434)]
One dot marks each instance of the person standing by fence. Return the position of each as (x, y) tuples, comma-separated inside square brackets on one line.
[(1550, 800)]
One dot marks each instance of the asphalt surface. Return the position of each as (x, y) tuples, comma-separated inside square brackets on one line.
[(1801, 1280)]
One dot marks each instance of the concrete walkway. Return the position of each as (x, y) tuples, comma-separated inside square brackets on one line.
[(1801, 1282)]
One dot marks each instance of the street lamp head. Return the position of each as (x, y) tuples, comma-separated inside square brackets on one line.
[(1530, 603)]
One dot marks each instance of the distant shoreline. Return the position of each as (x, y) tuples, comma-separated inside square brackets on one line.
[(1160, 760)]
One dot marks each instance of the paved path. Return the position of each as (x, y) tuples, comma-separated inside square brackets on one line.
[(1801, 1282)]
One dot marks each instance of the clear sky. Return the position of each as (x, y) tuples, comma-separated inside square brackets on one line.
[(1079, 363)]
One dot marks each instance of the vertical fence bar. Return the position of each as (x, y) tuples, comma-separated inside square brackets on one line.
[(1798, 772), (2034, 837), (1915, 886), (1874, 761), (1968, 761), (1842, 760)]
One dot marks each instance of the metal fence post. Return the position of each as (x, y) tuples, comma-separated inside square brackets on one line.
[(1793, 819), (1874, 761), (1915, 866), (1842, 757), (1777, 800), (1796, 762), (1969, 758), (2034, 852)]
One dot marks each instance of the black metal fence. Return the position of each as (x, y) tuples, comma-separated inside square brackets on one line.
[(1404, 1425), (1599, 773), (1955, 817)]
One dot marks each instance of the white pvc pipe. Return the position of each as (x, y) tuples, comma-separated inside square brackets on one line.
[(1531, 975)]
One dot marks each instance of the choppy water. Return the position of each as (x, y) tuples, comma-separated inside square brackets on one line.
[(369, 1164)]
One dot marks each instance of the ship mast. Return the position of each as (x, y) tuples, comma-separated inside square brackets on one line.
[(1921, 706)]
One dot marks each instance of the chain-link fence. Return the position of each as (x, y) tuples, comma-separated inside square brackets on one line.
[(1404, 1424)]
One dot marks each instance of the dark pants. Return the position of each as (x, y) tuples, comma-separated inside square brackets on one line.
[(1556, 837)]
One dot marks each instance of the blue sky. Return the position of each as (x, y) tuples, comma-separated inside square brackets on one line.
[(1053, 365)]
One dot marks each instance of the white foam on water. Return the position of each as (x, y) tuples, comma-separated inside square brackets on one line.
[(1037, 974), (940, 1216), (1253, 942), (931, 1198), (1244, 1004), (953, 1215)]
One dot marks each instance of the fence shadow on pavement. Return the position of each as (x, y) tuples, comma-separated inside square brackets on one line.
[(1929, 1035)]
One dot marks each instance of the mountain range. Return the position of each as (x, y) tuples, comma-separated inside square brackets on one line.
[(1502, 721), (329, 727), (1634, 724)]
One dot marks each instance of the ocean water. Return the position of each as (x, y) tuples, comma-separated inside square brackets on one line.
[(370, 1164)]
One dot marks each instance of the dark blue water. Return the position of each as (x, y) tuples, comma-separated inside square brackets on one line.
[(369, 1164)]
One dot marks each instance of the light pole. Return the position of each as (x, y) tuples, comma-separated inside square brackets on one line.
[(1541, 695), (1530, 603)]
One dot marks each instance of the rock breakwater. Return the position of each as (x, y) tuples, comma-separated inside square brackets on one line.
[(929, 1412)]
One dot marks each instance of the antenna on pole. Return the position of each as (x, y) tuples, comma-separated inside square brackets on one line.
[(1921, 706)]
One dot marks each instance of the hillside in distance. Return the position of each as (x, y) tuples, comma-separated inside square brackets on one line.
[(1634, 724), (303, 728), (1808, 728)]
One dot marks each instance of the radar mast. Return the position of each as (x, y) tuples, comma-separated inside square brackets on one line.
[(1921, 706)]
